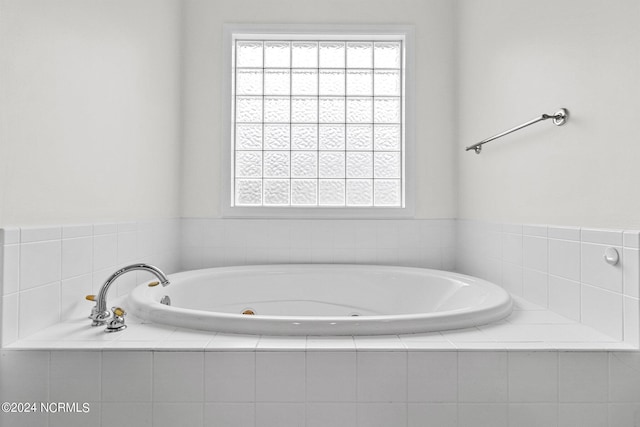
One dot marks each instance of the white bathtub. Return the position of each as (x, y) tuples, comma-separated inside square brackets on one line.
[(322, 300)]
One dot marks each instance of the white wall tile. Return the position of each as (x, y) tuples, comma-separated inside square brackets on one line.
[(602, 310), (127, 247), (507, 227), (625, 377), (40, 263), (631, 307), (99, 277), (234, 342), (535, 287), (512, 248), (105, 228), (229, 376), (482, 376), (631, 239), (601, 236), (278, 233), (409, 234), (564, 297), (583, 377), (235, 256), (38, 308), (72, 297), (127, 376), (139, 414), (9, 319), (77, 257), (147, 243), (344, 234), (433, 376), (482, 415), (280, 376), (535, 230), (77, 419), (75, 376), (280, 414), (535, 253), (233, 235), (212, 230), (178, 376), (366, 237), (17, 419), (192, 234), (125, 283), (319, 241), (177, 414), (105, 251), (229, 414), (331, 414), (512, 278), (387, 234), (582, 414), (301, 235), (382, 376), (564, 233), (596, 271), (382, 414), (331, 376), (10, 236), (25, 376), (321, 235), (432, 414), (533, 414), (40, 234), (433, 232), (10, 268), (631, 272), (320, 255), (533, 376), (511, 228), (564, 259), (449, 259), (624, 414), (77, 230)]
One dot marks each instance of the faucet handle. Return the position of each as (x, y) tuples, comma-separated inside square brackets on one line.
[(117, 321), (90, 297), (152, 284)]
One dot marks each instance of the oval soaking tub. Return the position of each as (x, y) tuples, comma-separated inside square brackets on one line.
[(313, 299)]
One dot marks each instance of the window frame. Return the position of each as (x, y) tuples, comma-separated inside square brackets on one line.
[(276, 31)]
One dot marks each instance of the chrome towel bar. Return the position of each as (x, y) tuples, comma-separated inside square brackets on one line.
[(559, 118)]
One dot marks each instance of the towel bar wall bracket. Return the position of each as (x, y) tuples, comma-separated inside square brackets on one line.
[(559, 118)]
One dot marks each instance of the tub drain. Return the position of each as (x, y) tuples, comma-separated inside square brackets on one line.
[(354, 315)]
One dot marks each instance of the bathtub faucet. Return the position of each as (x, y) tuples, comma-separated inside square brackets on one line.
[(100, 315)]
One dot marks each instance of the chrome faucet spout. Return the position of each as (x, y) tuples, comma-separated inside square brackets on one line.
[(99, 313)]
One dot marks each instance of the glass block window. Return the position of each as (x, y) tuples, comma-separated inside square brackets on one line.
[(318, 122)]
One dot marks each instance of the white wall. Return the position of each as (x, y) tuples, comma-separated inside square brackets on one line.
[(519, 59), (89, 110), (203, 102)]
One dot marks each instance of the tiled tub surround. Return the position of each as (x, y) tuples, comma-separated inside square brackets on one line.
[(46, 272), (317, 387), (560, 268), (515, 373), (535, 368), (226, 242)]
